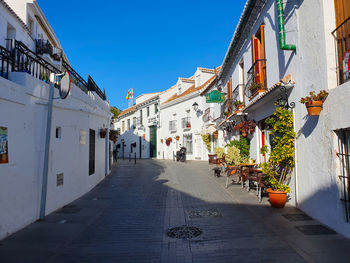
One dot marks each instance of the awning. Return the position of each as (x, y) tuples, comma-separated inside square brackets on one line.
[(209, 130)]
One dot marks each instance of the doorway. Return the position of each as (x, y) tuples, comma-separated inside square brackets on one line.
[(153, 141)]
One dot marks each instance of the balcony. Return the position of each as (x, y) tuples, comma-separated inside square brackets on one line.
[(44, 47), (173, 126), (236, 97), (342, 42), (186, 123), (256, 79)]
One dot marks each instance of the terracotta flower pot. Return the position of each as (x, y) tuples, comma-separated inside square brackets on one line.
[(240, 106), (244, 134), (216, 135), (177, 138), (278, 199), (103, 133), (314, 107)]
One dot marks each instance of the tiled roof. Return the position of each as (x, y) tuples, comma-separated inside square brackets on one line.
[(215, 70), (14, 13), (285, 81), (191, 80), (190, 90), (132, 108)]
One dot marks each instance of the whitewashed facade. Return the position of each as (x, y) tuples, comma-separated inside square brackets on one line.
[(78, 157), (137, 127), (316, 186)]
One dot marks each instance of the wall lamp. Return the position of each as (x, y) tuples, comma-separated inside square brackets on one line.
[(195, 108)]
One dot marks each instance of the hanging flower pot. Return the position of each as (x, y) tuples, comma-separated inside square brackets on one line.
[(314, 102), (188, 125), (216, 135), (244, 134), (103, 133), (277, 199), (161, 140), (177, 138), (314, 107), (168, 141)]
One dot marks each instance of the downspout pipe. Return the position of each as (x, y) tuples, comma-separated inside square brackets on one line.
[(281, 29)]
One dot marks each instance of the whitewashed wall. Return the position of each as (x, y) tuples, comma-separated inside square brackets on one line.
[(23, 102)]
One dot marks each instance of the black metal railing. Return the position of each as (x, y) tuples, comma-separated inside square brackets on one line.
[(92, 86), (75, 77), (342, 42), (256, 78), (235, 96), (45, 47), (6, 61), (19, 58)]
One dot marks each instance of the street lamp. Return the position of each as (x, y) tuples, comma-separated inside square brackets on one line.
[(195, 106)]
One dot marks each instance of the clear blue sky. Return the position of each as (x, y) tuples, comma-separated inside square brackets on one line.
[(144, 45)]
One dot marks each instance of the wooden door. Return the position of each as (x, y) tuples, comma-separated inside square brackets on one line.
[(342, 34)]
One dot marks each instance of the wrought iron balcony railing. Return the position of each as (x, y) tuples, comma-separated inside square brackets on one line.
[(236, 96), (342, 42), (256, 78)]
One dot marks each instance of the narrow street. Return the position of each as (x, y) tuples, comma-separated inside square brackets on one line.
[(126, 218)]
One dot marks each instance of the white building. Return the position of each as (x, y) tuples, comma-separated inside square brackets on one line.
[(308, 59), (182, 123), (137, 128), (79, 156)]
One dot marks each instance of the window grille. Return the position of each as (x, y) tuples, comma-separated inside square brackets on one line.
[(344, 159), (172, 125), (187, 141), (186, 123)]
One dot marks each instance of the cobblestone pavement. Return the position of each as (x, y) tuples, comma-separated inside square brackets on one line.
[(126, 218)]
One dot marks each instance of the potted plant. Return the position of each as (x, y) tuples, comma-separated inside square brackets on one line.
[(216, 134), (188, 125), (277, 170), (113, 135), (161, 140), (168, 141), (103, 132), (233, 157), (314, 102), (220, 152), (177, 137), (238, 104), (256, 87), (245, 127)]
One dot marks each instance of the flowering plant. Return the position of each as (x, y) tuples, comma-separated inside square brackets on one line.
[(321, 96), (245, 127)]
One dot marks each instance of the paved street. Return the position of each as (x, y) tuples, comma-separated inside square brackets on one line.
[(126, 217)]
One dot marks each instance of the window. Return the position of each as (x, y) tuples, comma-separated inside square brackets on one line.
[(343, 153), (155, 108), (134, 122), (172, 125), (141, 121), (91, 152), (118, 131), (31, 25), (342, 38), (187, 142), (123, 126), (128, 124), (256, 78), (147, 111), (58, 132), (186, 123)]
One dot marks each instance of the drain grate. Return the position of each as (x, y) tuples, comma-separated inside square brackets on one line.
[(68, 209), (297, 217), (198, 213), (315, 230), (184, 232)]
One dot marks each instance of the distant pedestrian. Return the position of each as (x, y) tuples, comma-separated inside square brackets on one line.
[(115, 154)]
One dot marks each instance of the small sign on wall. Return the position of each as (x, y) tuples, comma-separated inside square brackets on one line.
[(82, 137), (4, 157), (59, 181)]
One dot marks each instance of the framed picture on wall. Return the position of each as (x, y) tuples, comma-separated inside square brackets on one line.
[(4, 157)]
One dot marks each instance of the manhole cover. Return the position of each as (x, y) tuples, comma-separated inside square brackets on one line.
[(297, 217), (184, 232), (315, 230), (200, 213)]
